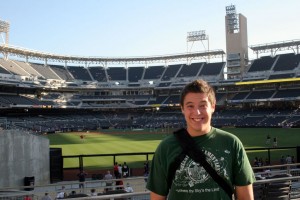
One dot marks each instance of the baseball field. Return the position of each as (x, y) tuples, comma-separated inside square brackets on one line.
[(133, 141)]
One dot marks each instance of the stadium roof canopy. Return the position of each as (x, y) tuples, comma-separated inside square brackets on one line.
[(37, 55), (278, 46)]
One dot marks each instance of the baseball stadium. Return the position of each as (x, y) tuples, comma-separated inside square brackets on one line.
[(63, 114)]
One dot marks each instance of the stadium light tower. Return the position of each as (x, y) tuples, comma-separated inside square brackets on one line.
[(195, 36), (232, 19), (236, 43), (4, 28)]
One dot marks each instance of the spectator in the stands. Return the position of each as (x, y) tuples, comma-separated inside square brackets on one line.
[(81, 175), (120, 171), (93, 192), (128, 188), (27, 197), (288, 159), (62, 193), (282, 160), (46, 197), (119, 184), (116, 170), (125, 170), (108, 177)]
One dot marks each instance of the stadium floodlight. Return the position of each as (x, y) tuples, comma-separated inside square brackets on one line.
[(230, 10), (194, 36), (232, 19), (4, 28)]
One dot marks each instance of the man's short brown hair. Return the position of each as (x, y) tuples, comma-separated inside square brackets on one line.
[(199, 86)]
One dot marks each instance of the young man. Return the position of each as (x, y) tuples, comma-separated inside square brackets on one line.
[(223, 151)]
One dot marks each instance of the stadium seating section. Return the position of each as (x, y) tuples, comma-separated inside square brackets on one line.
[(144, 96)]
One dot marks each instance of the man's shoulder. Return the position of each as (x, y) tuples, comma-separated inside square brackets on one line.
[(169, 139), (223, 133), (169, 142)]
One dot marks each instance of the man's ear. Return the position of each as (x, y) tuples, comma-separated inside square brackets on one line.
[(182, 110), (213, 107)]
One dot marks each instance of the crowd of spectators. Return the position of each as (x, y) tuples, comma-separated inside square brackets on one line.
[(121, 171)]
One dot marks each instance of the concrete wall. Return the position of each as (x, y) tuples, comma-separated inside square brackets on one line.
[(23, 155)]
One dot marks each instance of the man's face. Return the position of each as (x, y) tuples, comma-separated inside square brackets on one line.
[(197, 111)]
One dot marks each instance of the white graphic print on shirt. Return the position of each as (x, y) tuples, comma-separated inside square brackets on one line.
[(191, 173)]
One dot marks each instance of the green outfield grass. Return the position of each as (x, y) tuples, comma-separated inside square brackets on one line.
[(114, 141)]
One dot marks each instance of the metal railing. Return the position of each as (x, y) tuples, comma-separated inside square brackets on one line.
[(266, 176)]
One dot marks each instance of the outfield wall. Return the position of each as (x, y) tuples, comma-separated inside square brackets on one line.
[(23, 155)]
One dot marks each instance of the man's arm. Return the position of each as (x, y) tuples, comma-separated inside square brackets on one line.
[(244, 192), (154, 196)]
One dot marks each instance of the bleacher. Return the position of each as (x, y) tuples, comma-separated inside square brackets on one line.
[(239, 96), (15, 100), (117, 73), (190, 70), (263, 94), (281, 76), (80, 73), (27, 67), (80, 120), (154, 86), (287, 62), (262, 64), (3, 70), (158, 100), (176, 75), (287, 93), (165, 84), (11, 66), (45, 71), (98, 74), (135, 74), (172, 99), (212, 69), (62, 72), (153, 72), (171, 72)]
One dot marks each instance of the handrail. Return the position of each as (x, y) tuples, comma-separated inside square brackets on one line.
[(115, 196), (270, 180)]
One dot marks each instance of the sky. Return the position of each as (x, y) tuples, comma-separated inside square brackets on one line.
[(132, 28)]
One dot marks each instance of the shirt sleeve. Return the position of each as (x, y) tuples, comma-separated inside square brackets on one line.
[(243, 173)]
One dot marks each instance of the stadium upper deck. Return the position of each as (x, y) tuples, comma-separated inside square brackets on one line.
[(266, 79), (34, 79)]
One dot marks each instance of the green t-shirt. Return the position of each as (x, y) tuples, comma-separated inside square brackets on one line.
[(224, 152)]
